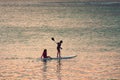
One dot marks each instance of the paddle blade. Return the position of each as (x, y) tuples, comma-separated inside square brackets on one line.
[(53, 39)]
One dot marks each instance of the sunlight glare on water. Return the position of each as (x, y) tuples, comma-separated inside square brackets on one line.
[(91, 32)]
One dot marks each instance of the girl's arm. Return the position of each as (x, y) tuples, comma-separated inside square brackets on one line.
[(41, 55)]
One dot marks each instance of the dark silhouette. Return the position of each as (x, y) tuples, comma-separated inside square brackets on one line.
[(59, 48), (44, 54)]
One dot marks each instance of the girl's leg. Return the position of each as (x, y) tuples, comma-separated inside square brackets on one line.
[(57, 54)]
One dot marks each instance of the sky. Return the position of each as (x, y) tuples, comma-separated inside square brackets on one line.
[(62, 0)]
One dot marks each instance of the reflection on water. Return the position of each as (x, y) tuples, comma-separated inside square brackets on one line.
[(44, 73), (57, 70)]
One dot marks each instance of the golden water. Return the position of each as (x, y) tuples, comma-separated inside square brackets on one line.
[(90, 32)]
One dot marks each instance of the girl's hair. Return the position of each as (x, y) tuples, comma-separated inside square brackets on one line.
[(45, 50)]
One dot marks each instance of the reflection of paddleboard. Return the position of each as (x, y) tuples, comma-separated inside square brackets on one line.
[(54, 58)]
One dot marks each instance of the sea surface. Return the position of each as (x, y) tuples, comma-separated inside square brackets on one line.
[(89, 30)]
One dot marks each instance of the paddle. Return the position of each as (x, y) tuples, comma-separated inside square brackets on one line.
[(53, 39)]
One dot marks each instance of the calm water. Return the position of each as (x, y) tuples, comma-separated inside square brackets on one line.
[(90, 31)]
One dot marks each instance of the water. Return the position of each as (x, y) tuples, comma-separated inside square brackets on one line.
[(88, 30)]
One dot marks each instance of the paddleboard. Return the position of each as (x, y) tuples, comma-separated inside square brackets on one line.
[(54, 58)]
